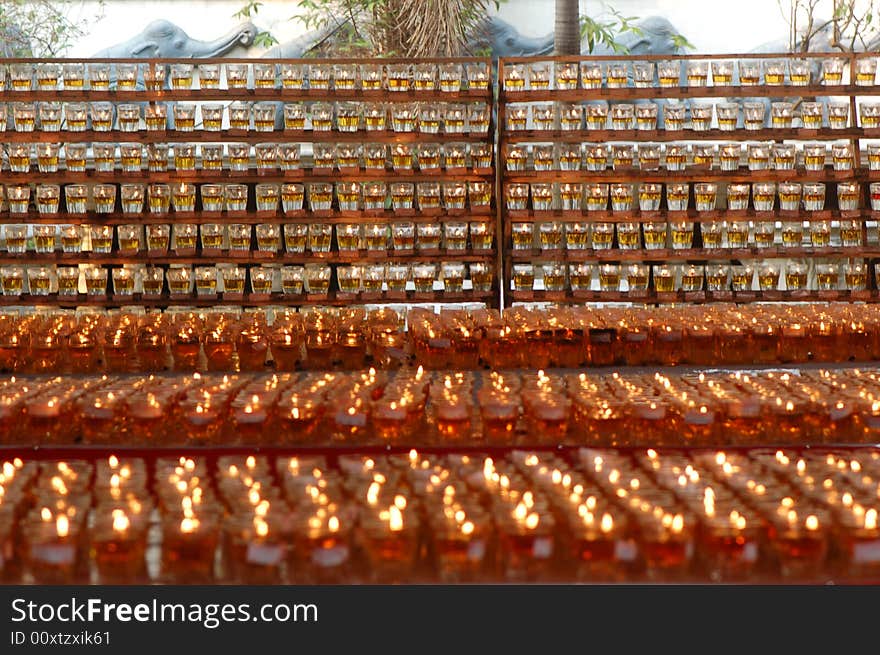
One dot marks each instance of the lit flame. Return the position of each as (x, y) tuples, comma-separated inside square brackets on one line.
[(189, 525), (254, 496), (120, 523), (488, 466), (62, 526), (677, 523), (261, 527), (395, 519), (373, 493), (709, 501), (59, 486)]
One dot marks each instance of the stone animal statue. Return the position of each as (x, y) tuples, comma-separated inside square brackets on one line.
[(503, 40), (655, 37), (164, 39)]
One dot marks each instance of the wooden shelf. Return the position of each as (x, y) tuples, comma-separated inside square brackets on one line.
[(248, 300), (246, 60), (250, 217), (238, 136), (307, 174), (692, 254), (250, 258), (647, 136), (253, 175), (665, 57), (692, 297), (634, 215), (278, 94), (691, 174), (686, 92)]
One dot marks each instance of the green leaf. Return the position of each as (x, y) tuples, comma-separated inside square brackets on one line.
[(264, 40), (248, 10), (607, 32), (681, 42)]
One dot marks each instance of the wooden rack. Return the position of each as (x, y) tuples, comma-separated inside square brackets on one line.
[(696, 297), (241, 136), (250, 217), (252, 176), (252, 257), (334, 299), (503, 256), (306, 174), (844, 89), (694, 255)]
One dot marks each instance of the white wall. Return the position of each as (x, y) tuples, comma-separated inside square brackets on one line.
[(711, 25)]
